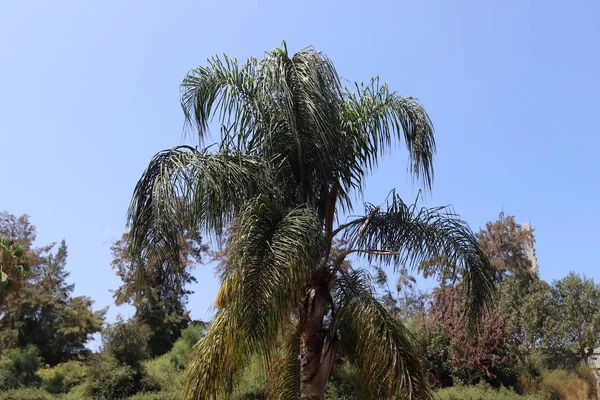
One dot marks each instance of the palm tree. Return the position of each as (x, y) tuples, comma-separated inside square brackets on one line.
[(295, 150), (11, 271)]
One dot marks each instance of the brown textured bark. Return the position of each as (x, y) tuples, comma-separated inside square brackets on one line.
[(316, 351)]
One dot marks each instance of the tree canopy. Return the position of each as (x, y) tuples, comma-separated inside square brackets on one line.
[(43, 312)]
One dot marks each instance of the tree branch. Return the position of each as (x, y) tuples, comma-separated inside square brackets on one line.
[(340, 259), (364, 220)]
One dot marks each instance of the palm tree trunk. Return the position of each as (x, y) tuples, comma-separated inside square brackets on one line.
[(316, 351)]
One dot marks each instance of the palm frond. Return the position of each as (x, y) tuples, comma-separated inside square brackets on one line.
[(273, 254), (284, 372), (214, 360), (381, 347), (184, 188), (406, 235), (228, 87), (306, 96), (380, 117)]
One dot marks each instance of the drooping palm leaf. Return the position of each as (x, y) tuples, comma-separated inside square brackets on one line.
[(215, 360), (382, 348), (382, 117), (272, 257), (407, 235), (293, 112), (183, 187), (283, 379), (229, 88)]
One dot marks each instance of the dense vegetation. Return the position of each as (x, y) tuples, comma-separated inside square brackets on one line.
[(534, 344), (308, 307)]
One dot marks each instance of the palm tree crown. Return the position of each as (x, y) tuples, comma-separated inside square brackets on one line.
[(295, 149)]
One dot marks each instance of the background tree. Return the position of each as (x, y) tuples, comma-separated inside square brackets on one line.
[(509, 333), (158, 288), (406, 301), (523, 298), (43, 312), (527, 306), (12, 271), (295, 148), (574, 326), (18, 368), (458, 353), (504, 242)]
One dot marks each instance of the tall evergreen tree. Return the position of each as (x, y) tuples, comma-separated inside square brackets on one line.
[(43, 312), (159, 293)]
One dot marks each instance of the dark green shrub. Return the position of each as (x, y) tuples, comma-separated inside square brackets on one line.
[(18, 368), (344, 383), (109, 379), (127, 341), (165, 395), (63, 377), (26, 394)]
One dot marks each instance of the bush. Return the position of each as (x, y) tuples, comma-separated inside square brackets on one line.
[(164, 374), (63, 377), (530, 384), (156, 396), (561, 385), (588, 375), (481, 392), (183, 346), (26, 394), (18, 368), (109, 379), (127, 341), (345, 383), (77, 393)]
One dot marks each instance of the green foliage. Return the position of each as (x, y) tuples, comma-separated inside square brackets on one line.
[(165, 376), (190, 336), (482, 392), (345, 383), (252, 382), (575, 325), (163, 395), (159, 294), (27, 394), (527, 304), (127, 341), (11, 269), (63, 377), (110, 379), (44, 313), (165, 373), (18, 368)]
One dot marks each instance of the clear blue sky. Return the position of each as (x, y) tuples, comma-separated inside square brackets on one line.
[(89, 92)]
